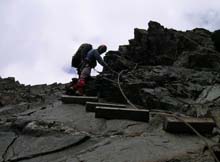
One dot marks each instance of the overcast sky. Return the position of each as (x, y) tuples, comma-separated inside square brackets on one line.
[(38, 37)]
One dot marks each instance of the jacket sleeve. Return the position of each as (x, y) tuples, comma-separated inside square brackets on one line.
[(99, 59)]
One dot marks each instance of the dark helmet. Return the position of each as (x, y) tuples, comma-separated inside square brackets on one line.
[(102, 48)]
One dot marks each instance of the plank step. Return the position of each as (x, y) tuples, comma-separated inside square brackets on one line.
[(78, 99), (91, 106), (122, 113), (202, 125)]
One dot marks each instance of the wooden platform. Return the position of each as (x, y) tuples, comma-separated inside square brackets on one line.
[(122, 113), (78, 99), (91, 106), (202, 125)]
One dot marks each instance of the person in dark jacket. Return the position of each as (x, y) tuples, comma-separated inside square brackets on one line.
[(90, 62)]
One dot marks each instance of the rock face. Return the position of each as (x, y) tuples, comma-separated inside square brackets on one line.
[(12, 92), (161, 46), (166, 69), (160, 69)]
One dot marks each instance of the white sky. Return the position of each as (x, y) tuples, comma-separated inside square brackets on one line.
[(39, 37)]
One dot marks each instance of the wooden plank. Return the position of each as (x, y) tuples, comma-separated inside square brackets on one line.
[(91, 106), (122, 113), (78, 99), (202, 125)]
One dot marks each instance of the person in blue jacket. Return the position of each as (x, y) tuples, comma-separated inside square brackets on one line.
[(90, 62)]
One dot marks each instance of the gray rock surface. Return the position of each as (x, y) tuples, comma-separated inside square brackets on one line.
[(164, 70), (27, 147), (60, 133), (142, 148), (6, 139)]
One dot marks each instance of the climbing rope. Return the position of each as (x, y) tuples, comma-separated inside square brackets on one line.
[(122, 92), (167, 113)]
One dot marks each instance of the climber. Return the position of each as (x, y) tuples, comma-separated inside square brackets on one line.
[(88, 63)]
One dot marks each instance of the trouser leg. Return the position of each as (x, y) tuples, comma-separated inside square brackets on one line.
[(85, 74)]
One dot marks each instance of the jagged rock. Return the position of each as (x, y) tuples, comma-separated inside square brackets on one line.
[(184, 85), (38, 89), (210, 94), (162, 69), (12, 92), (114, 57), (180, 63), (160, 98), (140, 35), (161, 46), (200, 59), (202, 37)]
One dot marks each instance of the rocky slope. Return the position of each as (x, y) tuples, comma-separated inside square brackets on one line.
[(160, 69), (167, 69)]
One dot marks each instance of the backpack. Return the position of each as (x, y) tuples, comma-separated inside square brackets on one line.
[(80, 55)]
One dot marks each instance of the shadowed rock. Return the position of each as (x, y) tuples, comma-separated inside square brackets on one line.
[(163, 69)]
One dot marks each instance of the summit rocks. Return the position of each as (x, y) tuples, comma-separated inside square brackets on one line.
[(167, 69)]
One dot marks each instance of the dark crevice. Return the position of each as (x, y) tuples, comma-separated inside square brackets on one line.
[(9, 146), (49, 152), (134, 124)]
